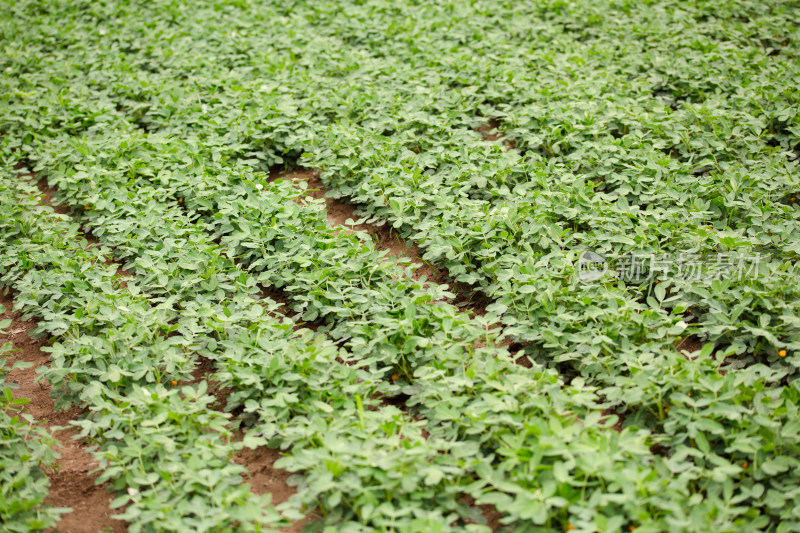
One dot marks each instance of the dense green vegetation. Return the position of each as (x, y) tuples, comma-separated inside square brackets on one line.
[(660, 129)]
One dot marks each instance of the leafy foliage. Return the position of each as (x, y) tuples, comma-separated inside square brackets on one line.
[(650, 128)]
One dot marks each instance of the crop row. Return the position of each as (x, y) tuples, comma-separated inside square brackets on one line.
[(267, 226), (424, 342)]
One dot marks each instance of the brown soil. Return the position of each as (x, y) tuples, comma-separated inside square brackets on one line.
[(690, 344), (48, 193), (490, 514), (282, 299), (71, 484), (266, 479), (490, 132)]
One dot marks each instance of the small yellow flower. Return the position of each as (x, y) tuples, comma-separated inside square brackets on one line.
[(782, 353), (174, 382)]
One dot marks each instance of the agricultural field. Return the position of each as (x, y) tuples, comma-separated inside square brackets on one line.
[(401, 266)]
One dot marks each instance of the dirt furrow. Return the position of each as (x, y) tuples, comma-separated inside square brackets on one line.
[(71, 484), (491, 132), (265, 478)]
